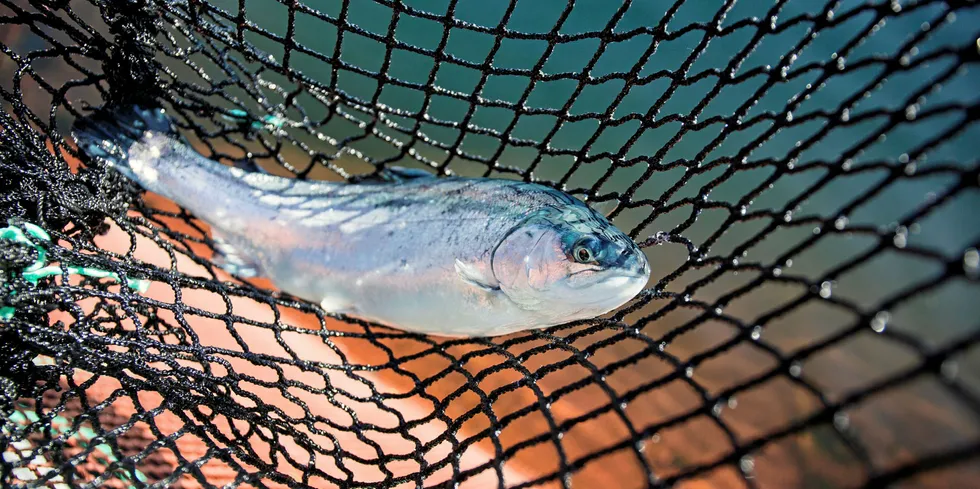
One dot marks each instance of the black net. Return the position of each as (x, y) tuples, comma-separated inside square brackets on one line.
[(800, 173)]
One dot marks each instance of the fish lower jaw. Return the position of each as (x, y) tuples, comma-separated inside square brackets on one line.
[(631, 287), (616, 281)]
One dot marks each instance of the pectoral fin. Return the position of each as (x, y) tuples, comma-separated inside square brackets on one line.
[(476, 277), (232, 259), (337, 305)]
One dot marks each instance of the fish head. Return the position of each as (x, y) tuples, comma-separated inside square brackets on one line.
[(569, 263)]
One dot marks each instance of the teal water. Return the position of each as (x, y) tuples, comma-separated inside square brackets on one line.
[(951, 230)]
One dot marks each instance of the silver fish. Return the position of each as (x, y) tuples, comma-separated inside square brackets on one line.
[(444, 256)]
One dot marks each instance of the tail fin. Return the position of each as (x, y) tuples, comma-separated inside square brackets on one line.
[(108, 134)]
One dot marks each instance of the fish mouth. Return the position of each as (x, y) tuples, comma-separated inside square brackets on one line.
[(624, 279), (632, 261), (631, 287), (615, 291), (632, 267)]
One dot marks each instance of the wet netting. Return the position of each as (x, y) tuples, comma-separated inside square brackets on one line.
[(802, 175)]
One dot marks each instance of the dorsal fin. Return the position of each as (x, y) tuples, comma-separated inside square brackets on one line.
[(604, 207), (393, 174), (249, 165)]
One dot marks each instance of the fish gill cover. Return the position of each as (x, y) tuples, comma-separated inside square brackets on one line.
[(802, 175)]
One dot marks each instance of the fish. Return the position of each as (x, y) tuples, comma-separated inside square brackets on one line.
[(446, 256)]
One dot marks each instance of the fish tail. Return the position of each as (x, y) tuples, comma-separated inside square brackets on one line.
[(108, 134)]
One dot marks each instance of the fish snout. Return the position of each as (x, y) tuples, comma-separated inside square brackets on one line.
[(633, 260)]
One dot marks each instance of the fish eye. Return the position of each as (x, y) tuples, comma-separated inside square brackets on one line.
[(584, 250), (583, 255)]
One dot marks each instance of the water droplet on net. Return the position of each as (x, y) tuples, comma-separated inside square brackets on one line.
[(841, 421), (949, 369), (689, 372), (911, 111), (971, 263), (841, 222), (900, 239), (825, 290), (880, 321), (756, 333), (795, 369), (746, 464)]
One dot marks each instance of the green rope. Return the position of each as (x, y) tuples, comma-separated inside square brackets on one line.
[(83, 436), (270, 121), (40, 269)]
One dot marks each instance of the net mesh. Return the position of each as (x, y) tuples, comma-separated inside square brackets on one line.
[(802, 176)]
